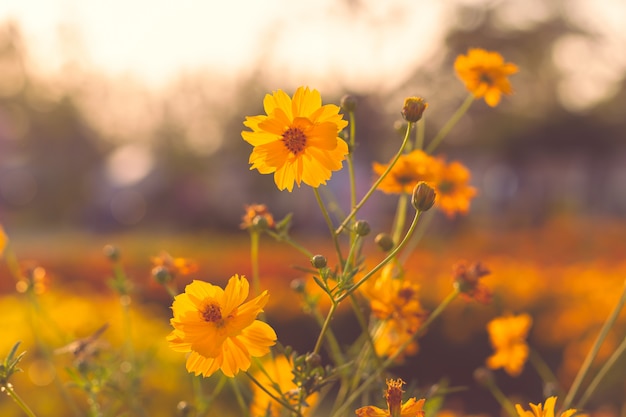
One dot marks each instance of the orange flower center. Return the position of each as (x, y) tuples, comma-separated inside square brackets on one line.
[(212, 313), (294, 140)]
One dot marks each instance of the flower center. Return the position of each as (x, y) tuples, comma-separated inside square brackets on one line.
[(294, 140), (445, 187), (486, 78), (212, 313)]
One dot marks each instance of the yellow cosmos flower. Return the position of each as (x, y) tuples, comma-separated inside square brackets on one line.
[(485, 74), (546, 411), (409, 169), (395, 408), (277, 370), (508, 337), (297, 140), (218, 329), (453, 192)]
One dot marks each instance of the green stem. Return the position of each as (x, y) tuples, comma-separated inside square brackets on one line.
[(254, 260), (329, 223), (325, 327), (543, 369), (239, 397), (594, 350), (502, 399), (421, 132), (290, 242), (384, 262), (450, 124), (400, 218), (279, 400), (357, 207), (600, 375), (379, 370), (8, 388)]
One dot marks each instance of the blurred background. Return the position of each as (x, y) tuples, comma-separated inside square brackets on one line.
[(123, 117), (120, 122)]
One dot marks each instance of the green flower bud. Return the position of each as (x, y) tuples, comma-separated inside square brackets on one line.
[(348, 103), (384, 241), (362, 228), (423, 197), (161, 274), (318, 261), (111, 252)]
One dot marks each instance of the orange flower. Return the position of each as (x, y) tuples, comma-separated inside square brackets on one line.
[(546, 411), (485, 74), (174, 266), (411, 408), (508, 337), (218, 329), (467, 279), (252, 212), (408, 171), (453, 194), (297, 140)]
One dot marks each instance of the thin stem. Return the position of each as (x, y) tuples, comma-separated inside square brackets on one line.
[(542, 368), (594, 350), (379, 370), (600, 375), (329, 223), (502, 399), (272, 395), (239, 397), (421, 131), (357, 207), (290, 242), (11, 393), (400, 218), (325, 327), (382, 263), (450, 124), (254, 260)]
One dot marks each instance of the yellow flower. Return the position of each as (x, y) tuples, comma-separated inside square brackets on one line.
[(297, 140), (485, 74), (453, 194), (218, 328), (508, 337), (408, 171), (277, 370), (395, 302), (546, 411), (395, 408)]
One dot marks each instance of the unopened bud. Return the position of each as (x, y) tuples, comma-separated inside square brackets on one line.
[(298, 285), (260, 222), (111, 252), (413, 109), (318, 261), (348, 103), (161, 274), (313, 360), (423, 197), (185, 409), (384, 241), (484, 377), (362, 228)]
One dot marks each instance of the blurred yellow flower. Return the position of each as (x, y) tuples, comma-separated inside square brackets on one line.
[(218, 328), (395, 408), (546, 411), (453, 194), (409, 170), (297, 140), (4, 239), (395, 302), (485, 74), (277, 370), (508, 337)]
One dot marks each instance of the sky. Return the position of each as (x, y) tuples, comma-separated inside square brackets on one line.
[(156, 39)]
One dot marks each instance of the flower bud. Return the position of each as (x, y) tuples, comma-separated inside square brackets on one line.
[(298, 285), (111, 252), (413, 109), (423, 197), (348, 103), (484, 377), (161, 274), (313, 360), (185, 409), (362, 228), (260, 222), (384, 241), (318, 261)]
